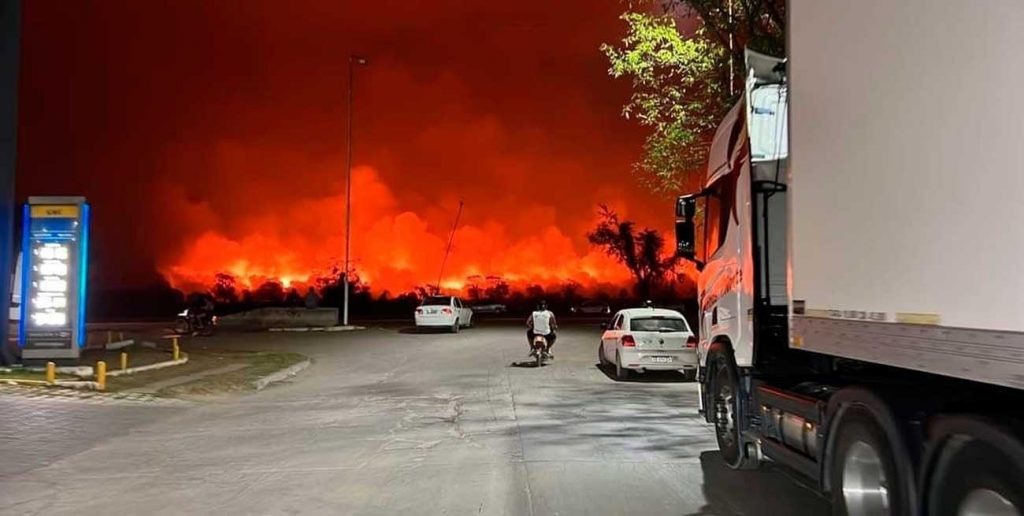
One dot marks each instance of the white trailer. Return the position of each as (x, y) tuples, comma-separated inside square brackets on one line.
[(860, 238)]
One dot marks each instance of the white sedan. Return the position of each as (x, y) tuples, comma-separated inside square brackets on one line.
[(444, 312), (646, 339)]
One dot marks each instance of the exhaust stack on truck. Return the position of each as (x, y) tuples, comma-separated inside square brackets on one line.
[(859, 239)]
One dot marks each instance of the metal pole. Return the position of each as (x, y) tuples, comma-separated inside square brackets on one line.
[(352, 61), (448, 249), (348, 197)]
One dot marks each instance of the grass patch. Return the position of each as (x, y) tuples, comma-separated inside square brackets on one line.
[(137, 356), (248, 367), (258, 365), (197, 364)]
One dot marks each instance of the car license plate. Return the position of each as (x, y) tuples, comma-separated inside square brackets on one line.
[(661, 360)]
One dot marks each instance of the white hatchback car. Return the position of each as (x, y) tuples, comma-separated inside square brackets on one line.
[(646, 339), (443, 312)]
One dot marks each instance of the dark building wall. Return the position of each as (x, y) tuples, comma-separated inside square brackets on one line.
[(10, 53)]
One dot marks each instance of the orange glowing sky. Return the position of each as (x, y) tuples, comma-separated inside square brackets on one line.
[(210, 136)]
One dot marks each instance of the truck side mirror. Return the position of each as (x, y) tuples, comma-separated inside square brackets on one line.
[(686, 208)]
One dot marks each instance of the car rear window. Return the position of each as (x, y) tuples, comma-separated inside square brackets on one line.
[(663, 324), (437, 301)]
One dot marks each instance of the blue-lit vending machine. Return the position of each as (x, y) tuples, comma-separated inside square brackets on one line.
[(55, 250)]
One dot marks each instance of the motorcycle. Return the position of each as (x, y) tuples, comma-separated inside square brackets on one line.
[(189, 322), (539, 349)]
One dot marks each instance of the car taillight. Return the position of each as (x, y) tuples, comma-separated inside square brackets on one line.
[(447, 310), (691, 342), (628, 342), (419, 310)]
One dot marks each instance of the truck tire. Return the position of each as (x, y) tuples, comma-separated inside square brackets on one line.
[(864, 475), (725, 411), (974, 477)]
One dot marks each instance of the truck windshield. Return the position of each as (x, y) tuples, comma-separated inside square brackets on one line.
[(767, 123), (663, 324)]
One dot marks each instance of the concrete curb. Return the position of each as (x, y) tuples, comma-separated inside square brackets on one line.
[(68, 384), (319, 328), (277, 376), (78, 384), (120, 344), (149, 367), (79, 371), (12, 381)]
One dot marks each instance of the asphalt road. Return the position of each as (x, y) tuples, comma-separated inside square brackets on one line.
[(387, 421)]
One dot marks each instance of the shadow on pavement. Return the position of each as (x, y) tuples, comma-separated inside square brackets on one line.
[(648, 377), (768, 491), (532, 364), (417, 330)]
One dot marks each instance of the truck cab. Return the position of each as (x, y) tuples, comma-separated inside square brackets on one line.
[(738, 220)]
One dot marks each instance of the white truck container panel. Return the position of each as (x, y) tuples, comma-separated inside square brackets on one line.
[(906, 182)]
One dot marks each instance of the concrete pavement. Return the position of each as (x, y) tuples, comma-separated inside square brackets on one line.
[(386, 421)]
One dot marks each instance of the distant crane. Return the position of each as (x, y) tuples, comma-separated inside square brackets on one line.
[(448, 249)]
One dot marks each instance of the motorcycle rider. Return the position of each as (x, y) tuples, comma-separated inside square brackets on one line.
[(542, 322), (201, 310)]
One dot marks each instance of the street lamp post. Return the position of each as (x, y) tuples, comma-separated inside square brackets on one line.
[(352, 61)]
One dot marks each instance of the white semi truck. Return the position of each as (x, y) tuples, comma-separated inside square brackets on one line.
[(860, 242)]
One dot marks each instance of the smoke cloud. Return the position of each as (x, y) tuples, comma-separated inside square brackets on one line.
[(210, 136)]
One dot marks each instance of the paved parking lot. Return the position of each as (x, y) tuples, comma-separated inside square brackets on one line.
[(389, 421)]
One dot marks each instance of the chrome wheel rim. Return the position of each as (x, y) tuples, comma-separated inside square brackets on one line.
[(986, 502), (865, 488), (725, 420)]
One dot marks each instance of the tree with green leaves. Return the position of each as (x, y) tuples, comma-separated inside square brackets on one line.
[(735, 25), (641, 251), (683, 83)]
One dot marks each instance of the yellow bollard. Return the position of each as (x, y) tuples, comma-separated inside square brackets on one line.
[(175, 350), (51, 373), (101, 375), (124, 360)]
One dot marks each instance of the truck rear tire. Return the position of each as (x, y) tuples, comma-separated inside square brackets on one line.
[(864, 477), (725, 412), (977, 478)]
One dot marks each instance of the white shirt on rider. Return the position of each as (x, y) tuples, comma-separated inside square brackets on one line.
[(542, 322)]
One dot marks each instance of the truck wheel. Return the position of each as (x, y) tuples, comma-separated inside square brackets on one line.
[(977, 478), (725, 410), (865, 479), (455, 327), (621, 373)]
